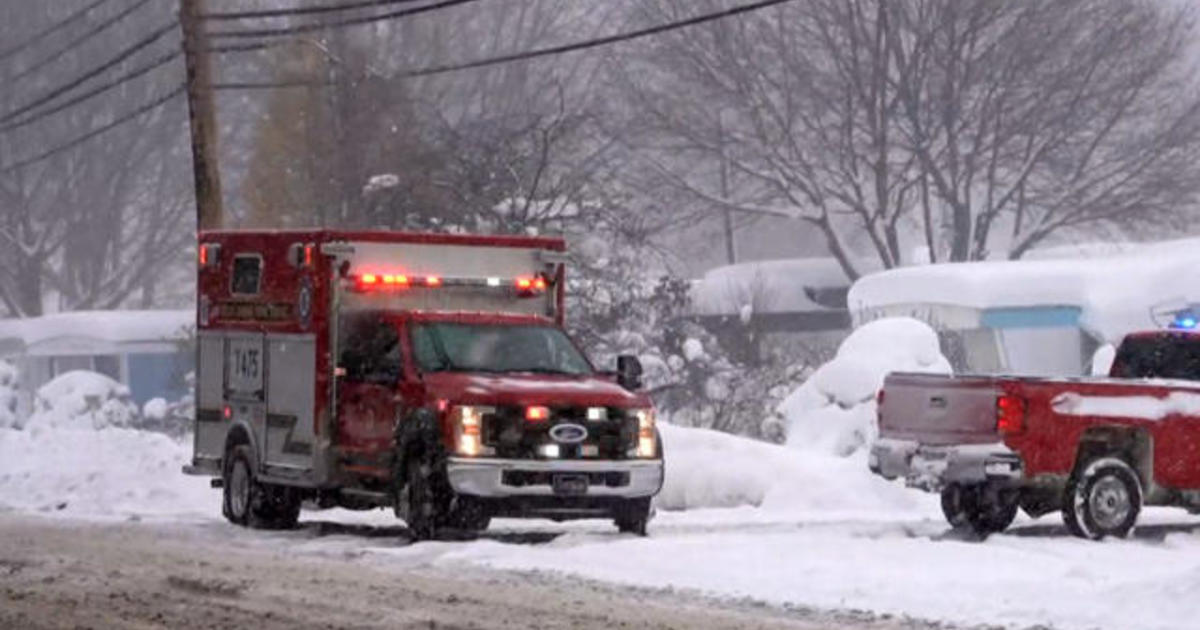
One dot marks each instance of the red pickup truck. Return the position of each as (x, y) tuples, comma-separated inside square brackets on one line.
[(1096, 448)]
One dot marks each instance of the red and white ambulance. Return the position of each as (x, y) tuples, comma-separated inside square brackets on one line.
[(426, 372)]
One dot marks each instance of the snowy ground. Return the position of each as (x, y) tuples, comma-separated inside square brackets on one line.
[(825, 535)]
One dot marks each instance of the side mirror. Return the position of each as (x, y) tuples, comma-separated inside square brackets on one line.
[(629, 372)]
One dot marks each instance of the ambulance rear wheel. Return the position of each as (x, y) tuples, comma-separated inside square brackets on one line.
[(250, 503), (240, 488)]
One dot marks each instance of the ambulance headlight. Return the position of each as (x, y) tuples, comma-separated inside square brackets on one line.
[(647, 442), (467, 421)]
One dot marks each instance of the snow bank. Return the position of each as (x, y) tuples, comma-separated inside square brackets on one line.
[(81, 400), (710, 469), (110, 471), (833, 412)]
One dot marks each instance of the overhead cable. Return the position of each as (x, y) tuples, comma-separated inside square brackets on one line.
[(66, 146), (91, 73), (79, 41), (61, 24), (532, 54), (309, 10), (320, 26), (94, 92)]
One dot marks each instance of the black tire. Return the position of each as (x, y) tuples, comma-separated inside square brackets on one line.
[(979, 508), (239, 486), (421, 507), (633, 516), (250, 503), (469, 514), (1103, 498)]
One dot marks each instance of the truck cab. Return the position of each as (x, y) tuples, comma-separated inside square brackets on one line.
[(428, 373)]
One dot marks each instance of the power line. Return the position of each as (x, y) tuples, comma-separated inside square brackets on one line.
[(535, 53), (320, 26), (65, 22), (78, 41), (98, 90), (94, 72), (158, 102), (328, 8)]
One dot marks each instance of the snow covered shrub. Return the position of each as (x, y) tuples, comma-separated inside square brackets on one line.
[(619, 305), (834, 410), (83, 400), (171, 417)]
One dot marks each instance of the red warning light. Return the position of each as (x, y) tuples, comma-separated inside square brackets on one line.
[(369, 278), (433, 281), (524, 283), (538, 413)]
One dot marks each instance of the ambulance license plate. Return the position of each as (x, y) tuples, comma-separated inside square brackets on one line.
[(571, 485)]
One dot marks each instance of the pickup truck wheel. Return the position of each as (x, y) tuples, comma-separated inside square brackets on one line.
[(633, 516), (1102, 499), (981, 509)]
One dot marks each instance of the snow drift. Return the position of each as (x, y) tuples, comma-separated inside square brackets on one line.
[(833, 412), (710, 469), (99, 472)]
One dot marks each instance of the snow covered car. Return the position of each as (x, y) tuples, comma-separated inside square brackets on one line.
[(1096, 448), (426, 372)]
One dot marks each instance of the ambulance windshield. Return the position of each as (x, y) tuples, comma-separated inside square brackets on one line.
[(459, 347)]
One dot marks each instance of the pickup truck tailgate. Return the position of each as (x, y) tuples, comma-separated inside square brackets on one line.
[(938, 410)]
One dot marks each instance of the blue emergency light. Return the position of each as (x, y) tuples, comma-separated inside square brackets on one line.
[(1186, 321)]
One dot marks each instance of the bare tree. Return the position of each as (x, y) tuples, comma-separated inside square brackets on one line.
[(968, 128), (98, 225)]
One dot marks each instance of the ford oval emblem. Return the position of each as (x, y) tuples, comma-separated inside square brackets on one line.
[(568, 433)]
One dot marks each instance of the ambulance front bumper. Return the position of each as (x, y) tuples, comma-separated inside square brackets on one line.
[(499, 478)]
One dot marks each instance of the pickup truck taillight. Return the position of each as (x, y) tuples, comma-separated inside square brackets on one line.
[(1010, 414)]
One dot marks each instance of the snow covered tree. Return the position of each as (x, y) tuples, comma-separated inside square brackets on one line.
[(959, 129)]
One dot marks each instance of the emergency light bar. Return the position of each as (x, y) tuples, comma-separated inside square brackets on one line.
[(525, 286), (1185, 321)]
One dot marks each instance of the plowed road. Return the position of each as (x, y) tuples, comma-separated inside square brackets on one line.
[(57, 573)]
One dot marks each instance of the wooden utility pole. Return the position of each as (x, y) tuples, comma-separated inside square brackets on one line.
[(202, 116)]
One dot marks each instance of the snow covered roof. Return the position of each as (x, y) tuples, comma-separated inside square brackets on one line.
[(770, 286), (1116, 293), (93, 331)]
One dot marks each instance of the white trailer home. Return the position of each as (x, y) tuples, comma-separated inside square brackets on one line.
[(1038, 317)]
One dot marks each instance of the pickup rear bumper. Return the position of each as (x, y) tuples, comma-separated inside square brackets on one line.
[(500, 478), (933, 467)]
